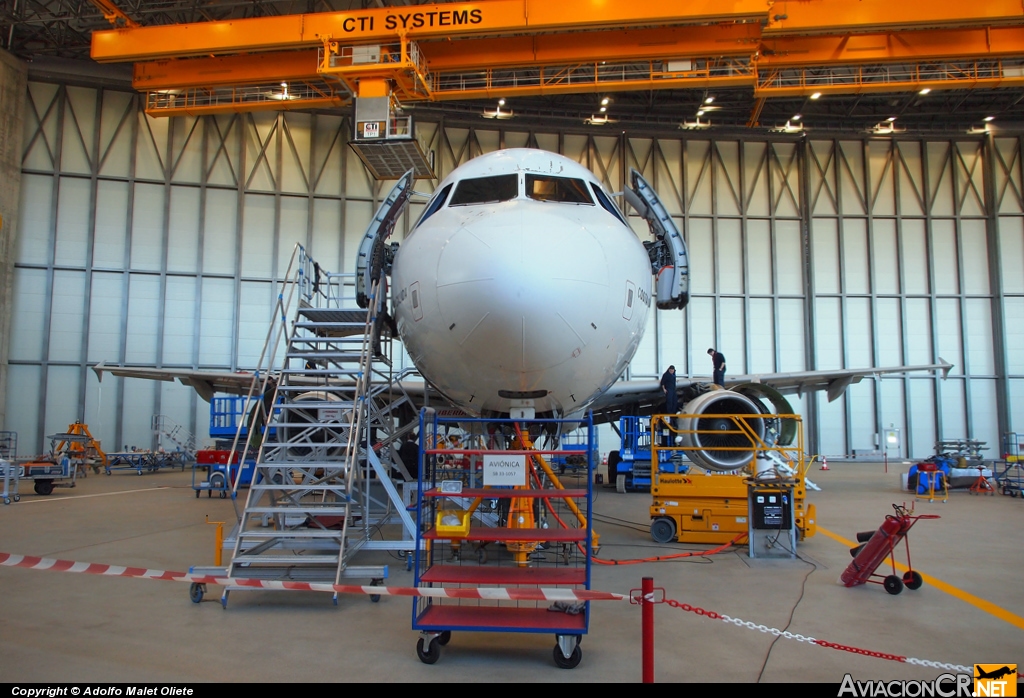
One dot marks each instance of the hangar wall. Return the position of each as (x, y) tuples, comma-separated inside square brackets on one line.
[(157, 242)]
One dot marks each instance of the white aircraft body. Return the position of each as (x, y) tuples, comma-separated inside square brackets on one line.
[(518, 289)]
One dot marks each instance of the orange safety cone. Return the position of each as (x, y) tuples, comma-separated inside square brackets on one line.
[(824, 463)]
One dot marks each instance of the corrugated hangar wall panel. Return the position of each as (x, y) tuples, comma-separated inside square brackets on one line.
[(884, 257), (67, 316), (101, 409), (952, 410), (36, 219), (79, 127), (61, 381), (1011, 259), (105, 317), (110, 239), (862, 415), (186, 150), (1016, 390), (137, 414), (24, 384), (984, 419), (921, 417), (179, 321), (183, 230), (832, 428), (234, 191), (116, 118), (28, 316), (759, 258), (892, 411), (74, 201), (1014, 324)]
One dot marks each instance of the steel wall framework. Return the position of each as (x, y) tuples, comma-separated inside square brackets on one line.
[(157, 242)]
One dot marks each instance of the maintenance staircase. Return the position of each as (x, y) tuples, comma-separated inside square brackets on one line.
[(319, 495), (182, 438)]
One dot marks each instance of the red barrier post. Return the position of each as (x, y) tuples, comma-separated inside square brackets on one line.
[(647, 627)]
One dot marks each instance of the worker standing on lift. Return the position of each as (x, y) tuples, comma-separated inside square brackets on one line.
[(718, 360)]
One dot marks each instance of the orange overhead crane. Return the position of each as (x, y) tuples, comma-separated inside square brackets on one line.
[(505, 48)]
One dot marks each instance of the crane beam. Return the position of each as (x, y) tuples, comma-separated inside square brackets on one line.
[(450, 20)]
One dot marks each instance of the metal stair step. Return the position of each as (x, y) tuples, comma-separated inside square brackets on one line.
[(340, 510), (290, 535), (285, 559)]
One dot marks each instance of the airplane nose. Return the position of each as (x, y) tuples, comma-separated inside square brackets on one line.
[(521, 295)]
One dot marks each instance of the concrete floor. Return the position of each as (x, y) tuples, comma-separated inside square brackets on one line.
[(60, 627)]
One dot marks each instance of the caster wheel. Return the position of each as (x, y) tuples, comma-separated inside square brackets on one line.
[(912, 580), (197, 494), (444, 638), (431, 654), (7, 500), (195, 592), (17, 497), (663, 530), (893, 584), (375, 598), (570, 662), (223, 494)]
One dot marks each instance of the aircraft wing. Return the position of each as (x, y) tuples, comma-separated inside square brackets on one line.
[(643, 397), (205, 382)]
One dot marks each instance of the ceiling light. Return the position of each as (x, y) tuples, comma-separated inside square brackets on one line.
[(709, 100), (604, 102), (284, 85), (796, 117), (599, 120), (498, 113), (604, 109), (501, 102), (990, 118), (816, 95), (891, 119), (789, 127), (695, 125), (925, 91), (700, 112)]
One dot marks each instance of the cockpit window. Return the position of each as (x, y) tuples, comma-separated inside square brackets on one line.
[(606, 203), (435, 203), (486, 190), (560, 189)]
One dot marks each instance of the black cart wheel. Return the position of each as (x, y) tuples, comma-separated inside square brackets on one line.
[(431, 654), (663, 530), (43, 487), (375, 583), (570, 662), (17, 497), (444, 638), (7, 500), (893, 584), (196, 591), (613, 465), (912, 580)]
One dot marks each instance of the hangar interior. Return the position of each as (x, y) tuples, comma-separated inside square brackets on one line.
[(158, 241), (850, 186)]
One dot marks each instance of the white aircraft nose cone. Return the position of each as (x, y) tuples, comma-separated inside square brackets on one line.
[(523, 301)]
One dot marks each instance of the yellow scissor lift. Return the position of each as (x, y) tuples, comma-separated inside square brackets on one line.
[(699, 505)]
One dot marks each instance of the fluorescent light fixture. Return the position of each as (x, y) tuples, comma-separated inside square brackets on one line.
[(604, 109), (709, 100), (796, 117), (501, 102), (990, 118), (604, 102), (925, 91), (891, 119), (816, 95), (700, 112)]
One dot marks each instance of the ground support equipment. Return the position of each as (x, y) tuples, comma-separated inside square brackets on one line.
[(710, 507), (145, 461), (502, 492), (11, 474), (877, 545), (630, 467), (210, 472)]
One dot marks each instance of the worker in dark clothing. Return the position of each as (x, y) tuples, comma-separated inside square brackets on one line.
[(668, 386), (718, 360), (409, 452)]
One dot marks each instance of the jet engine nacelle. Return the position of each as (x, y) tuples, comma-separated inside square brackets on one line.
[(718, 441)]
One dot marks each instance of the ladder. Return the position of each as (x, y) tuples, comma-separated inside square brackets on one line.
[(319, 492), (182, 438)]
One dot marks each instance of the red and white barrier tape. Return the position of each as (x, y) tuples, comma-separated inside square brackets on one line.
[(489, 593)]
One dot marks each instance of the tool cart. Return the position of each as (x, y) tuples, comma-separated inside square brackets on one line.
[(501, 495)]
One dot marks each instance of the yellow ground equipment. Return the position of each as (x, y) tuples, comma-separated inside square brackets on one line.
[(709, 505)]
